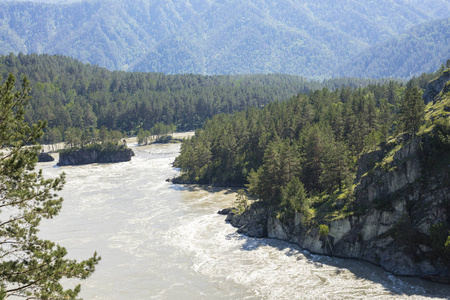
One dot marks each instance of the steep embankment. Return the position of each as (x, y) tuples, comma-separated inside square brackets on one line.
[(401, 216)]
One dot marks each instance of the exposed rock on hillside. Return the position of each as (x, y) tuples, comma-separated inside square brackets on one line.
[(435, 87)]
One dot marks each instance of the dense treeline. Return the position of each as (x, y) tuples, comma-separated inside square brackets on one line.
[(307, 128), (307, 145), (70, 94)]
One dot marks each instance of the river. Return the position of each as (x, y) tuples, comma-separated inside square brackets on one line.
[(158, 240)]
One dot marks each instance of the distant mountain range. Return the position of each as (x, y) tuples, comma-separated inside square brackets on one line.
[(327, 38), (418, 50)]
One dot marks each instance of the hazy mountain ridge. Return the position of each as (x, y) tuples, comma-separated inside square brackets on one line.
[(395, 57), (437, 8), (209, 37)]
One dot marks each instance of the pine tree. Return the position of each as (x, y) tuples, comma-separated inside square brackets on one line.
[(336, 167), (267, 181), (294, 197), (412, 110), (29, 267)]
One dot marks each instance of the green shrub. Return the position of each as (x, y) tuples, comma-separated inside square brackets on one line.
[(442, 134), (447, 245), (323, 230)]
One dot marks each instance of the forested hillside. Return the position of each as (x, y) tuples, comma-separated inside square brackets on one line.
[(69, 94), (360, 173), (315, 137), (297, 138), (307, 38)]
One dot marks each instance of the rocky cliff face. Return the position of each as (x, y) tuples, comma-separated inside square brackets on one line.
[(90, 156), (435, 87), (400, 202)]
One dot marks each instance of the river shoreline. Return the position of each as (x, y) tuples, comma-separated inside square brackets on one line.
[(256, 222)]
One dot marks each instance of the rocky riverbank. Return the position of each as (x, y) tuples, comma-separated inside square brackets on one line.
[(403, 201)]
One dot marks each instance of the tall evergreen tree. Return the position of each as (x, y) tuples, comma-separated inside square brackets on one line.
[(29, 266), (412, 110), (294, 197)]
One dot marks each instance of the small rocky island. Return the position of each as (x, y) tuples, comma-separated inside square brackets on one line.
[(45, 157), (95, 153)]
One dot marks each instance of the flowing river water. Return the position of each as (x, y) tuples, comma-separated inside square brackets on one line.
[(158, 240)]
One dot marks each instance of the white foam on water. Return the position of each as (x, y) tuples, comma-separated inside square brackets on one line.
[(278, 270)]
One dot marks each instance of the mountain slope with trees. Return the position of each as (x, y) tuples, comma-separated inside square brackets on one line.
[(76, 98), (307, 38), (419, 49)]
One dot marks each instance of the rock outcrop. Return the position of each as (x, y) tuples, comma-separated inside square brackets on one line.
[(250, 223), (399, 201), (435, 87), (94, 155), (45, 157)]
